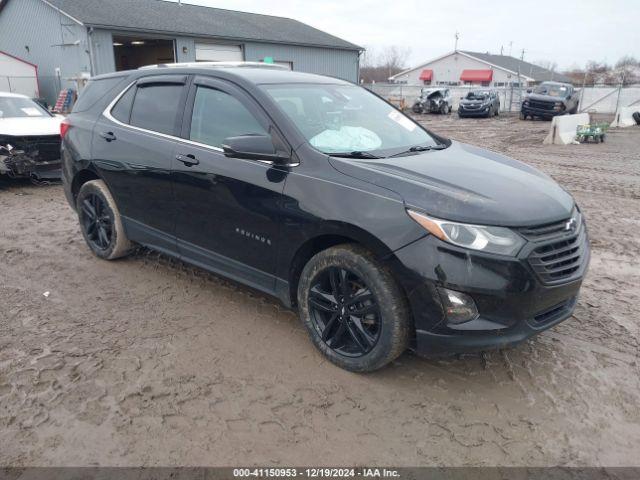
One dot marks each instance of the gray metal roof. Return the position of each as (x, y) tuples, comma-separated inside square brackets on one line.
[(539, 74), (169, 17)]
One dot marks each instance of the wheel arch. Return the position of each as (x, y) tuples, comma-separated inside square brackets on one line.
[(330, 235), (80, 178)]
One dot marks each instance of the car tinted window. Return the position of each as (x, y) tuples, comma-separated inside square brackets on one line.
[(156, 107), (93, 91), (217, 115), (122, 109)]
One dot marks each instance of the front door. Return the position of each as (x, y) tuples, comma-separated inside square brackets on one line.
[(228, 209)]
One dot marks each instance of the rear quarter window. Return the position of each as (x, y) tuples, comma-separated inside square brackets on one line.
[(94, 91)]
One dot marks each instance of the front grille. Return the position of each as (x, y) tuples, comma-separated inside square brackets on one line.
[(541, 105), (561, 251)]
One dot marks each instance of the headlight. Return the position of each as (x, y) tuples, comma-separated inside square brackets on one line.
[(499, 240)]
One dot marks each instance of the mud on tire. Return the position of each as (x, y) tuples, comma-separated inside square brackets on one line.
[(392, 308), (100, 221)]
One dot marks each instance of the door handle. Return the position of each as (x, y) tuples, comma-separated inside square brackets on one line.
[(108, 136), (188, 160)]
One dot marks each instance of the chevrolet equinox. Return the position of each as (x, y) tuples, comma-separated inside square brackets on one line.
[(383, 235)]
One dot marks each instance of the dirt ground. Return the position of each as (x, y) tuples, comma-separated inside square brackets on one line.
[(147, 361)]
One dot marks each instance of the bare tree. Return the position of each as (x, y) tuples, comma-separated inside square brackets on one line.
[(378, 66), (626, 70)]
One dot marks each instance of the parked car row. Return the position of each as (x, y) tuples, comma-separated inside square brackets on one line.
[(545, 101)]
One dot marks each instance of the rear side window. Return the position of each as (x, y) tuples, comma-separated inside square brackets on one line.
[(93, 91), (217, 115), (122, 109), (156, 107)]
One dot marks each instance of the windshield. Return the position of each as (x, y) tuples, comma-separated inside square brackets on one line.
[(478, 95), (552, 90), (18, 107), (347, 118)]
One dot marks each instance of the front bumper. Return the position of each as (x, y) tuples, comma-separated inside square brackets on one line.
[(541, 112), (481, 112), (22, 165), (512, 300)]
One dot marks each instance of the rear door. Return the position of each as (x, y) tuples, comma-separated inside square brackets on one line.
[(228, 209), (133, 148)]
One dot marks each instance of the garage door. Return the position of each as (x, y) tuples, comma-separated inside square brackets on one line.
[(216, 52)]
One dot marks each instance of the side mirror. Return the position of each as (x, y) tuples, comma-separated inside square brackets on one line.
[(253, 147), (529, 90)]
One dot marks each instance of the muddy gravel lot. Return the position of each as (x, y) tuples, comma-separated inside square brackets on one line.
[(148, 361)]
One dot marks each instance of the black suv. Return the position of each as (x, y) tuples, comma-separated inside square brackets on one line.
[(479, 103), (383, 235), (548, 100)]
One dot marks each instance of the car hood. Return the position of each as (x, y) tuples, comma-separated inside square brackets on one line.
[(467, 184), (28, 126), (473, 102), (544, 98)]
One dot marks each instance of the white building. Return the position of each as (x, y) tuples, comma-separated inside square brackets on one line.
[(474, 68), (18, 76)]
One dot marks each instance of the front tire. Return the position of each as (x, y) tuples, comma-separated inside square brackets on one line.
[(353, 309), (100, 221)]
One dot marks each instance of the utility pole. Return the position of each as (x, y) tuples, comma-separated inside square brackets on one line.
[(501, 50), (522, 56), (510, 47), (455, 49)]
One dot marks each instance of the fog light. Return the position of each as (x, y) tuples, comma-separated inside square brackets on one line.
[(458, 307)]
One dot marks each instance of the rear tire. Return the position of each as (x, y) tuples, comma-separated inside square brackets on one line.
[(100, 221), (360, 335)]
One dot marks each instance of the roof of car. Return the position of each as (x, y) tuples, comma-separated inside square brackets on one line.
[(556, 83), (253, 74), (13, 95)]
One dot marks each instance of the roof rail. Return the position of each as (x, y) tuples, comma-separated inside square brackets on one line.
[(215, 64)]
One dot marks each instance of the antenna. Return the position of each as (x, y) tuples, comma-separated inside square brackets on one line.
[(457, 35)]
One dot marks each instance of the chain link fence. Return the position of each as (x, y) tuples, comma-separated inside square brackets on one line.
[(603, 99)]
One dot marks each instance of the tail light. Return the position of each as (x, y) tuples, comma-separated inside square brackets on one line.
[(64, 128)]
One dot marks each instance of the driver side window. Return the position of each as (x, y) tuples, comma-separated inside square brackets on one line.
[(217, 115)]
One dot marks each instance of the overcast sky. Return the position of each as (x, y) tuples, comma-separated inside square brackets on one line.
[(569, 32)]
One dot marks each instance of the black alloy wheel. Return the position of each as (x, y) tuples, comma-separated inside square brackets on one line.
[(97, 221), (344, 312)]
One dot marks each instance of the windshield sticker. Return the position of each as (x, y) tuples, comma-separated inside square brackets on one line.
[(346, 139), (401, 120), (32, 112)]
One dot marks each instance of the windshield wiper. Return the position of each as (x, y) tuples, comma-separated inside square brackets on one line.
[(356, 154), (419, 148)]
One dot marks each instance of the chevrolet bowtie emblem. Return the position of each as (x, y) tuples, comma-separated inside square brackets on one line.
[(570, 225)]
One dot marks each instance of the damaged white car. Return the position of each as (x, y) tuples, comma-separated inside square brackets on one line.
[(29, 139)]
